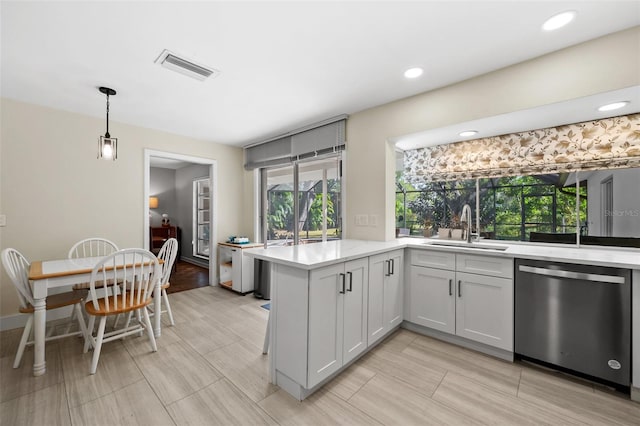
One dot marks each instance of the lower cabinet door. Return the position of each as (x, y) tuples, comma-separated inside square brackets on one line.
[(433, 300), (484, 309), (326, 309), (393, 294), (355, 308), (378, 266), (236, 273)]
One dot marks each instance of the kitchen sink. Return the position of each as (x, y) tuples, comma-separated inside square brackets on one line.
[(472, 245)]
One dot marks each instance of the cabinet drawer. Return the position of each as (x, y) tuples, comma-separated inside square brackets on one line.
[(485, 265), (433, 259)]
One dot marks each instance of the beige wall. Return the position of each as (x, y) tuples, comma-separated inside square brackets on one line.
[(55, 192), (608, 63)]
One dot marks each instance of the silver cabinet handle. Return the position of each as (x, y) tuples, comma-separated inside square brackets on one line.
[(342, 276), (450, 282), (611, 279), (459, 288), (350, 281)]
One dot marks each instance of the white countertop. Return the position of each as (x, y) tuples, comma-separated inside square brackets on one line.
[(315, 255)]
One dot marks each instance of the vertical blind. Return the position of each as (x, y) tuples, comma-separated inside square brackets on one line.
[(321, 138)]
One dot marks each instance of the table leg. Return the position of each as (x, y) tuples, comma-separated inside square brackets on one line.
[(157, 316), (39, 326)]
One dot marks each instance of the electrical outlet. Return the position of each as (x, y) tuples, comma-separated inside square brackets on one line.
[(3, 220)]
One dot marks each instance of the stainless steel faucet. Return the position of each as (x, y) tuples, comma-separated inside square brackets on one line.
[(465, 217)]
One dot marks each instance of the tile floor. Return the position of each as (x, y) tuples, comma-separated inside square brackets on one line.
[(209, 370)]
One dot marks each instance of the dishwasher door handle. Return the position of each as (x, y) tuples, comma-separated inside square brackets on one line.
[(611, 279)]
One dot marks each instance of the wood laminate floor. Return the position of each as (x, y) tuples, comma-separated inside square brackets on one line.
[(187, 276), (209, 370)]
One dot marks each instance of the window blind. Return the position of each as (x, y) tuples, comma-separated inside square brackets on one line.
[(608, 143), (317, 139)]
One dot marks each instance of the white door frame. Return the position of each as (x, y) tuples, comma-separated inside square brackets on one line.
[(213, 184)]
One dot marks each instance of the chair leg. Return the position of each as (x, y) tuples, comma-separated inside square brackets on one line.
[(126, 324), (89, 342), (165, 298), (70, 323), (23, 341), (83, 327), (98, 347), (147, 325)]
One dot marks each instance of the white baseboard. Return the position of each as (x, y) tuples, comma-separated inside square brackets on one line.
[(11, 322)]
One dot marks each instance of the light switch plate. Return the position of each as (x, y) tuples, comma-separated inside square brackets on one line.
[(3, 220), (373, 220), (362, 219)]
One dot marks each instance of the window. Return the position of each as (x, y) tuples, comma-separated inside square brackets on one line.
[(303, 202), (606, 199), (511, 208), (201, 217)]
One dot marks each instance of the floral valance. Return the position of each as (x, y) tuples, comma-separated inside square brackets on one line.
[(601, 144)]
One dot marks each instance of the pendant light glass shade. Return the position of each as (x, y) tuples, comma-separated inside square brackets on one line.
[(107, 146)]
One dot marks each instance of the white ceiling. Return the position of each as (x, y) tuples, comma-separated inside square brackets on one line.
[(283, 64), (573, 111)]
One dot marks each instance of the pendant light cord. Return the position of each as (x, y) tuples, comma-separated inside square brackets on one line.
[(107, 134)]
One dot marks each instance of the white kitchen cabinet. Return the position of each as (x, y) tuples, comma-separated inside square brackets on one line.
[(337, 317), (385, 307), (431, 303), (476, 306), (235, 268), (484, 309)]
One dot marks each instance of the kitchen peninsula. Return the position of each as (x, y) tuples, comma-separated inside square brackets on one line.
[(333, 301)]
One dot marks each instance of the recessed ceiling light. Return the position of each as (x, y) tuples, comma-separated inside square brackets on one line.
[(413, 72), (612, 106), (468, 133), (559, 20)]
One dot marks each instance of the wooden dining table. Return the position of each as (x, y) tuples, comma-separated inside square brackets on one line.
[(49, 274)]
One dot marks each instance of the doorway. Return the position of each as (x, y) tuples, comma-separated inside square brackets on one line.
[(153, 158)]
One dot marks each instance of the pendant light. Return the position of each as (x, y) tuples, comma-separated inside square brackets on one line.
[(107, 146)]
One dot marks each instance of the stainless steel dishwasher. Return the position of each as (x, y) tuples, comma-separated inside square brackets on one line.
[(575, 316)]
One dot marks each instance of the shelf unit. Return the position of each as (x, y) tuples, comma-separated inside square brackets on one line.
[(235, 269)]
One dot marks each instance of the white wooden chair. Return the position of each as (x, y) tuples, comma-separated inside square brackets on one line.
[(91, 247), (17, 267), (168, 254), (141, 271)]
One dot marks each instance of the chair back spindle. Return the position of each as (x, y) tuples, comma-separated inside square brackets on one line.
[(17, 267), (137, 269), (92, 247)]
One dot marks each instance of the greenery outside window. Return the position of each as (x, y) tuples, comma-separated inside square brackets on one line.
[(306, 212), (511, 208)]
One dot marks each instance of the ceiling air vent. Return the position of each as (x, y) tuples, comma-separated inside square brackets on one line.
[(184, 66)]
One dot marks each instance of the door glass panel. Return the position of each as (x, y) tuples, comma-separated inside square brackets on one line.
[(279, 206), (319, 196), (319, 193)]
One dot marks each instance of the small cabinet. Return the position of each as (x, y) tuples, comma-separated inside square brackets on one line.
[(432, 303), (337, 317), (235, 269), (385, 308), (477, 306), (484, 309)]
